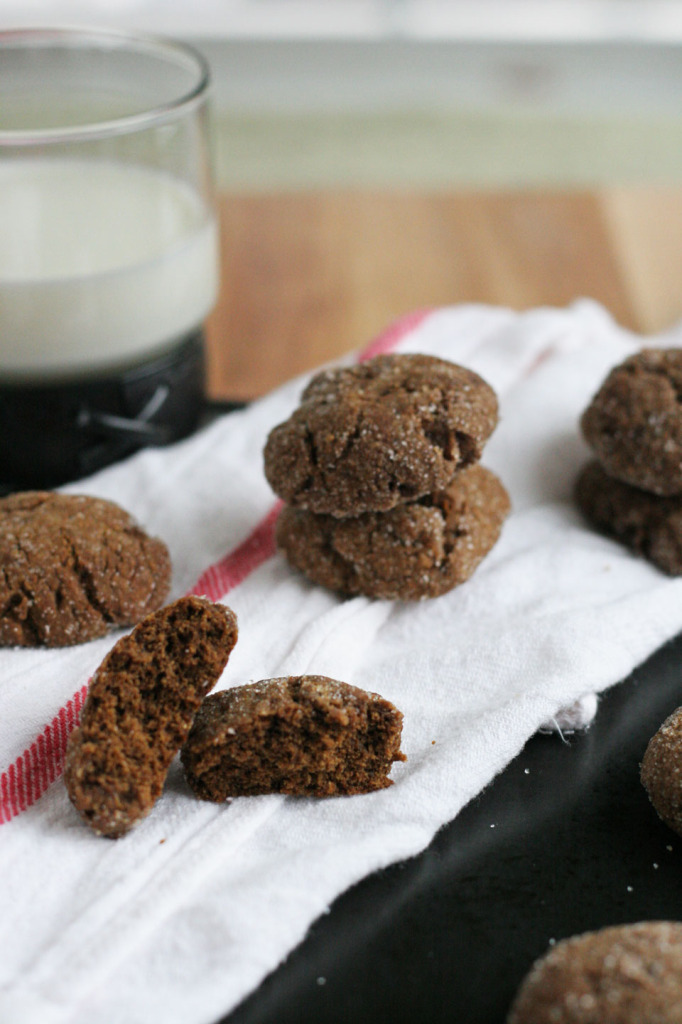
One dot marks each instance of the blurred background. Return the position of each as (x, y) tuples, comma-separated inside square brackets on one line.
[(373, 156)]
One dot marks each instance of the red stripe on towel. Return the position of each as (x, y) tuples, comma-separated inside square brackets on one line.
[(42, 762), (240, 563), (385, 342), (33, 771)]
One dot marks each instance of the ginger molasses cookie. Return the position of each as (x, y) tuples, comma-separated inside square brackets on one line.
[(369, 437), (418, 550), (302, 735), (648, 524), (634, 422), (139, 710), (72, 567), (627, 974), (661, 771)]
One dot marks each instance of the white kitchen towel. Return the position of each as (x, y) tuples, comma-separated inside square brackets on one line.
[(182, 918)]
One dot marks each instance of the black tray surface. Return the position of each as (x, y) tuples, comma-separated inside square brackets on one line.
[(563, 841)]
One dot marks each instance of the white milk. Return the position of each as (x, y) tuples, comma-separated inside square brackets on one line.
[(100, 264)]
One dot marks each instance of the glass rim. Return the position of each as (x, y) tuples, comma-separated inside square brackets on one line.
[(75, 37)]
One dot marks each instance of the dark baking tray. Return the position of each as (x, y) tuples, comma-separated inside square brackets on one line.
[(448, 935)]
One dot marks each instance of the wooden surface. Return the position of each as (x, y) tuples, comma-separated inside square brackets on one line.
[(309, 276)]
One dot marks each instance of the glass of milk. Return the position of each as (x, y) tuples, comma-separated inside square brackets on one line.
[(108, 248)]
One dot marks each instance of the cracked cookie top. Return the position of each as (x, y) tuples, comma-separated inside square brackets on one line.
[(634, 422), (370, 437), (72, 567)]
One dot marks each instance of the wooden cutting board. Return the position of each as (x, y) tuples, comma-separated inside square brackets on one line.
[(308, 276)]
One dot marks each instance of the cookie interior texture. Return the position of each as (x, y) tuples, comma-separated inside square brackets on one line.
[(634, 422), (139, 709), (367, 438), (648, 524), (302, 735), (626, 974), (72, 567), (418, 550), (661, 771)]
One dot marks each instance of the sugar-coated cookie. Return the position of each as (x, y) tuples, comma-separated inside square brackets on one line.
[(648, 524), (625, 974), (418, 550), (661, 771), (634, 422), (366, 438), (72, 567)]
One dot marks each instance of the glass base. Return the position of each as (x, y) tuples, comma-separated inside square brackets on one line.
[(53, 433)]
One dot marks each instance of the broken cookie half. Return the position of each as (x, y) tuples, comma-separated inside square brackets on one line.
[(301, 735), (139, 710)]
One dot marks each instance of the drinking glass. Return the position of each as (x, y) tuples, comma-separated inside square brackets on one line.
[(108, 248)]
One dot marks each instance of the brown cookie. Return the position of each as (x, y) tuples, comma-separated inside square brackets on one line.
[(305, 736), (72, 567), (634, 422), (415, 551), (648, 524), (369, 437), (628, 974), (661, 771), (139, 710)]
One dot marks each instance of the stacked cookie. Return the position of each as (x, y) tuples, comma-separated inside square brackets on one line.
[(379, 469), (633, 489)]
